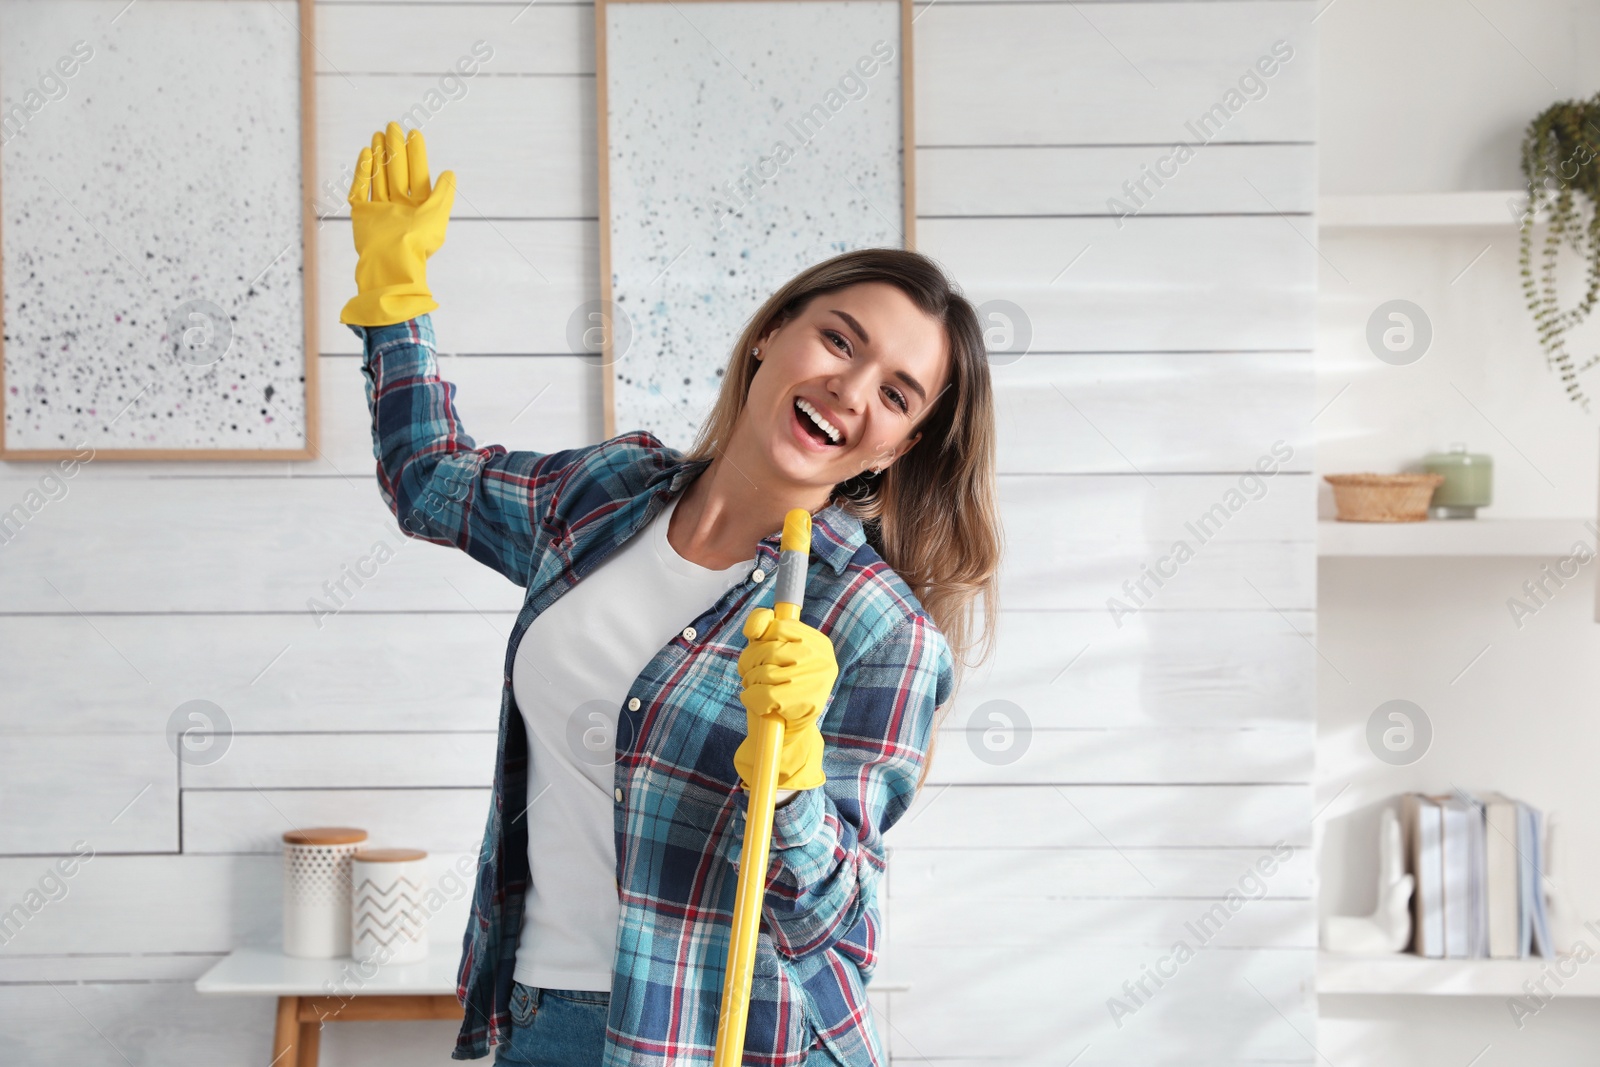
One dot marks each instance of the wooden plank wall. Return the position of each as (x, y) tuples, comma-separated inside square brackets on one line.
[(1167, 755)]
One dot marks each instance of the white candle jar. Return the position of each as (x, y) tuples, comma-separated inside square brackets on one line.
[(316, 890), (387, 921)]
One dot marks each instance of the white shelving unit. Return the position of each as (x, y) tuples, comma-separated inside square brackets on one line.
[(1500, 208), (1408, 974), (1456, 537), (1424, 216)]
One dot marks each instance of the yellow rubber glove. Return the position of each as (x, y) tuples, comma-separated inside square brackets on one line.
[(398, 219), (787, 667)]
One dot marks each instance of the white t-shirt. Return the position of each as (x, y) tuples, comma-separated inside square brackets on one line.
[(572, 673)]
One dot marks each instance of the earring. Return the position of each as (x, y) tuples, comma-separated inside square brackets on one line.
[(753, 351)]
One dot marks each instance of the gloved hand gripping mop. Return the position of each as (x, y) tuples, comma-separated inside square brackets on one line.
[(788, 669)]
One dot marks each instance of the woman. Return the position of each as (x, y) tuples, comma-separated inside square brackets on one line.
[(859, 391)]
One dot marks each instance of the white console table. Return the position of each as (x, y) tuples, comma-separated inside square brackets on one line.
[(312, 992)]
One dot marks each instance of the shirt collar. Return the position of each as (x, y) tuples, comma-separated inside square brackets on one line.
[(836, 534)]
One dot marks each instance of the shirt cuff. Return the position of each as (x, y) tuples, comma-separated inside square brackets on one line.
[(420, 326), (794, 823), (797, 822)]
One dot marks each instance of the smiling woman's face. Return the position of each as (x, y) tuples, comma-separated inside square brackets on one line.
[(866, 360)]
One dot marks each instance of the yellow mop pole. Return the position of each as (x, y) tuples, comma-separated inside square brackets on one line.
[(793, 555)]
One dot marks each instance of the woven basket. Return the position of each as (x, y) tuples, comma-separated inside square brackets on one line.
[(1382, 497)]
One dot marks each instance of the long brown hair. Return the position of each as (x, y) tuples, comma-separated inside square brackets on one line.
[(932, 514)]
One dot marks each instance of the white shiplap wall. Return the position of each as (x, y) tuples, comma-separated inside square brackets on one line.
[(1167, 755)]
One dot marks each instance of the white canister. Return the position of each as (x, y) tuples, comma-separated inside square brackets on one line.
[(387, 921), (316, 890)]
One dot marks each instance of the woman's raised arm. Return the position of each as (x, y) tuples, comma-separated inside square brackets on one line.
[(440, 485)]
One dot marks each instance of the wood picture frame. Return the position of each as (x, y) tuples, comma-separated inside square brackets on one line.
[(607, 355), (307, 198)]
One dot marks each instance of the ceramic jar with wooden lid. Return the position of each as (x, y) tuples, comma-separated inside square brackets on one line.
[(316, 890), (388, 923)]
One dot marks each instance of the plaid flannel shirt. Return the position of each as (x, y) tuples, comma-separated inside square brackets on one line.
[(544, 521)]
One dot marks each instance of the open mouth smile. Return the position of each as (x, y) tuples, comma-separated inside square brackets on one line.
[(813, 428)]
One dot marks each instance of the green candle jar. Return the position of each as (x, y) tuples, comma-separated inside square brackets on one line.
[(1468, 482)]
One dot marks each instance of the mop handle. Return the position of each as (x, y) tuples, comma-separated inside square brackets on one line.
[(794, 553)]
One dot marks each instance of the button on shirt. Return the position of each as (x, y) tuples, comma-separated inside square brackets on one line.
[(574, 668)]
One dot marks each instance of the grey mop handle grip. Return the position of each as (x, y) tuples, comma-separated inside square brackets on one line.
[(791, 581)]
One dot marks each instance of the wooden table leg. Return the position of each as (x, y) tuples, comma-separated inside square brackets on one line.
[(286, 1038), (310, 1042)]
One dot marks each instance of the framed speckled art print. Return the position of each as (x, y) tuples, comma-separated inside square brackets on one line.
[(740, 142), (157, 230)]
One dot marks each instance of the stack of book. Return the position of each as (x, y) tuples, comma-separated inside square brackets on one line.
[(1479, 866)]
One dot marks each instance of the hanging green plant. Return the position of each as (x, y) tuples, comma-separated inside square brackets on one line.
[(1558, 160)]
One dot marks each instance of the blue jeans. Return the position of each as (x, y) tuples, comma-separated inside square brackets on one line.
[(555, 1027), (567, 1028)]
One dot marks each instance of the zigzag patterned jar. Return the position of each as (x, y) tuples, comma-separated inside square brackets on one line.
[(387, 919)]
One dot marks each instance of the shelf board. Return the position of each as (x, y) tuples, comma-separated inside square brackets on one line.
[(1414, 975), (1422, 210), (1454, 537)]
